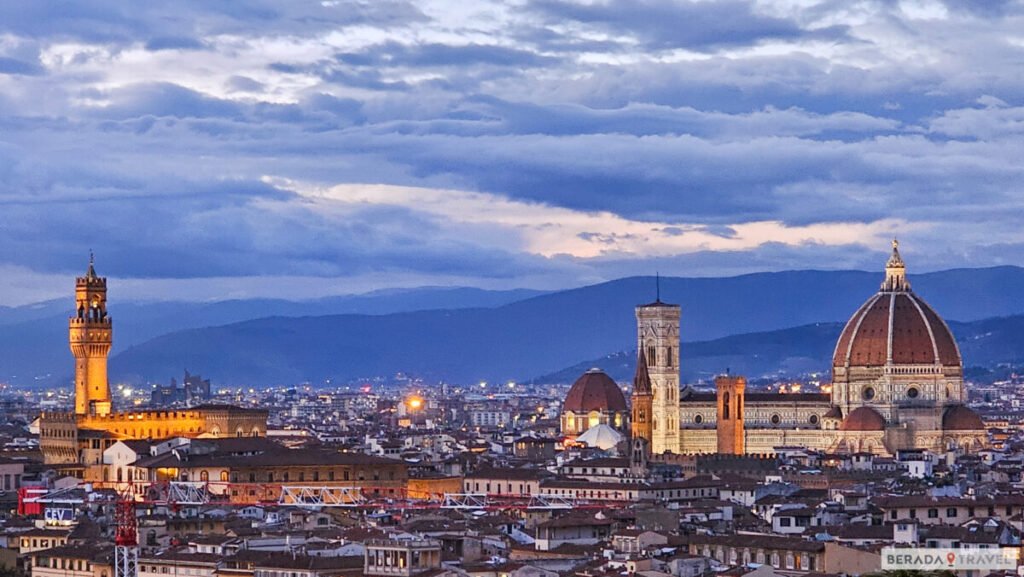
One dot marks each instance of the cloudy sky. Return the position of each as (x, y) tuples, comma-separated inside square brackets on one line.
[(209, 150)]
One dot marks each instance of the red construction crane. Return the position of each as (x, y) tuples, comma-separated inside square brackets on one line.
[(126, 536)]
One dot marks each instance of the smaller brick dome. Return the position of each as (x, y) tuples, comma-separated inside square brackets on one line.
[(960, 418), (863, 419), (594, 391), (834, 413)]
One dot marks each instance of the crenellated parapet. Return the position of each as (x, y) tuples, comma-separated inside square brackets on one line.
[(58, 417), (149, 416)]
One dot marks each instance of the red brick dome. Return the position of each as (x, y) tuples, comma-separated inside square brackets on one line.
[(895, 327), (863, 419), (960, 418), (594, 391)]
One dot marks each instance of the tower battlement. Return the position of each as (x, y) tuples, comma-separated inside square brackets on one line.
[(90, 281), (58, 417)]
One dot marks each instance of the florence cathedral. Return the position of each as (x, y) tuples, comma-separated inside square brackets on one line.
[(897, 383)]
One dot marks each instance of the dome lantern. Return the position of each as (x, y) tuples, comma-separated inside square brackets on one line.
[(895, 271)]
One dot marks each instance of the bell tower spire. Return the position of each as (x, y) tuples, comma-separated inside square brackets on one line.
[(90, 336), (642, 401)]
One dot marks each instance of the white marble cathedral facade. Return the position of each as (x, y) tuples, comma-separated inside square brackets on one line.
[(897, 384)]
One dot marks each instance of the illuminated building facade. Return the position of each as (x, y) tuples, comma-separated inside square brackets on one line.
[(897, 384), (657, 326), (90, 334), (255, 470), (593, 400), (642, 404), (79, 438)]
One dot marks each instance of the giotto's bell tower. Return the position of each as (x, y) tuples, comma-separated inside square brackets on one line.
[(657, 326)]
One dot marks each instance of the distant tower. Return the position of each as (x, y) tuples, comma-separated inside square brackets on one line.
[(658, 337), (642, 402), (731, 392), (638, 452), (89, 333)]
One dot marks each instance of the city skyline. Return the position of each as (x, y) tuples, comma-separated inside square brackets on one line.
[(306, 149), (511, 288)]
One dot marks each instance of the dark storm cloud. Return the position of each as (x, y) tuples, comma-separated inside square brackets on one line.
[(661, 24), (165, 99), (12, 66), (646, 119), (368, 78), (174, 43), (985, 8), (119, 22), (198, 229), (429, 55), (143, 130)]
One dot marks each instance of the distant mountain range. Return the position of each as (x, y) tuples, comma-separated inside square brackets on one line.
[(465, 335), (33, 338), (546, 333)]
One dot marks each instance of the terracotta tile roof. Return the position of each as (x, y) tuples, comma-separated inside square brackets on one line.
[(863, 419), (918, 335), (961, 418)]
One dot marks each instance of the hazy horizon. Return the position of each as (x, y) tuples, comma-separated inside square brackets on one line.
[(142, 297)]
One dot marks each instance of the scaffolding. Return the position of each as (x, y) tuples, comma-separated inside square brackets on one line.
[(321, 496)]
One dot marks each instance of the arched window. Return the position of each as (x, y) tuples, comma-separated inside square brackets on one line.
[(224, 476), (725, 406), (204, 476)]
